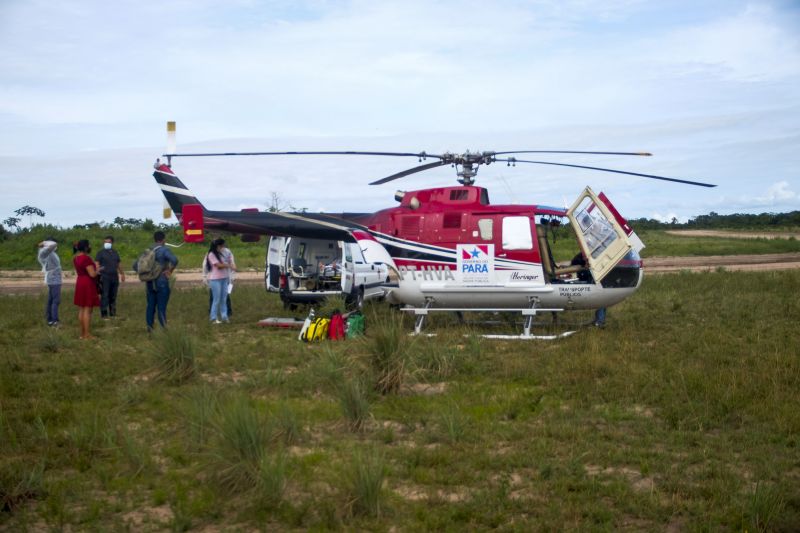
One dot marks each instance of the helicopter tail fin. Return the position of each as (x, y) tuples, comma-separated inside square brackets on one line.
[(176, 193)]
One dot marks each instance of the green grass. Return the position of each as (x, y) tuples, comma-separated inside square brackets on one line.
[(680, 415), (19, 249), (659, 243)]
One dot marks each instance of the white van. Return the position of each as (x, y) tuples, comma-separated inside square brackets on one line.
[(306, 271)]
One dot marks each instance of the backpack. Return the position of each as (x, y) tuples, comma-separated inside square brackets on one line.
[(355, 325), (147, 267), (336, 327), (317, 330)]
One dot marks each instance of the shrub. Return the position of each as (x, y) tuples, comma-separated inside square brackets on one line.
[(272, 478), (174, 351), (198, 408), (239, 447), (389, 352), (365, 478), (355, 404)]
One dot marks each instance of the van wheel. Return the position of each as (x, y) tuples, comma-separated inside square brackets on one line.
[(356, 298)]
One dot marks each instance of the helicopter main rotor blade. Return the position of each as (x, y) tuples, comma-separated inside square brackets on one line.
[(420, 155), (409, 171), (571, 152), (515, 160)]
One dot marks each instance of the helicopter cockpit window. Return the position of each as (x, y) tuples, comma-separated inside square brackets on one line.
[(485, 228), (517, 233), (598, 232)]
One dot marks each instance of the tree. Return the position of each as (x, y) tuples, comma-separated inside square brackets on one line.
[(276, 203), (30, 211), (12, 222)]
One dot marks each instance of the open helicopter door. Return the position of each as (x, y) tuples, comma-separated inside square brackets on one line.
[(601, 235)]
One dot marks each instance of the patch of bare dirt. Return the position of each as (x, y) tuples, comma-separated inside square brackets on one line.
[(757, 262), (734, 234), (31, 281), (638, 482)]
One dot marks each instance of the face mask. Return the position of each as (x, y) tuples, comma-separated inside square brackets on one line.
[(107, 245)]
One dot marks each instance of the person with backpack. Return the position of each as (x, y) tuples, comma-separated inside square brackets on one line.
[(154, 267), (111, 274)]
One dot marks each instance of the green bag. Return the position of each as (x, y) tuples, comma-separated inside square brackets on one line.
[(355, 325), (147, 267)]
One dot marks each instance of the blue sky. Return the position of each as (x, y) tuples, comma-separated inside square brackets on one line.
[(711, 88)]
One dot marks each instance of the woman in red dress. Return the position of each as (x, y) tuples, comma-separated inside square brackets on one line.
[(85, 287)]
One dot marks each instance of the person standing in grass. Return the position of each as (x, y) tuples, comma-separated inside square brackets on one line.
[(158, 290), (227, 257), (51, 266), (218, 279), (85, 286), (111, 274)]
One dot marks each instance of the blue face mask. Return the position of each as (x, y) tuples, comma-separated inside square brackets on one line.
[(107, 245)]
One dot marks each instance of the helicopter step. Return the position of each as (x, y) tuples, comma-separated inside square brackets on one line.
[(528, 313)]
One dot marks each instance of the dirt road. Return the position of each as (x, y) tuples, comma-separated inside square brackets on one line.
[(29, 281), (728, 262), (734, 234)]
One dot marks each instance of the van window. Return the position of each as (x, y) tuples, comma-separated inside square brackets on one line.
[(517, 233), (352, 252), (485, 228)]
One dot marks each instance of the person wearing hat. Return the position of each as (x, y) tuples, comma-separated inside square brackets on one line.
[(51, 267)]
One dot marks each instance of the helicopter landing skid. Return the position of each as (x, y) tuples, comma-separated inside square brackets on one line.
[(528, 313)]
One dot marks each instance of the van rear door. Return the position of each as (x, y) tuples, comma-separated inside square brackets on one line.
[(272, 269), (602, 238)]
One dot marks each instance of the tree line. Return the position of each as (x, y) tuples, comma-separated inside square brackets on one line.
[(716, 221)]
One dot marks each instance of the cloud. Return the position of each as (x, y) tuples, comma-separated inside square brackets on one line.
[(777, 193)]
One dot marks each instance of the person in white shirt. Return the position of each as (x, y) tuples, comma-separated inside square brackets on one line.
[(51, 267)]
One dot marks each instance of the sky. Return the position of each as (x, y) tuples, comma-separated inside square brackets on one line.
[(711, 88)]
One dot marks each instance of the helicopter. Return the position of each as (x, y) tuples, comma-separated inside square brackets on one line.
[(441, 248)]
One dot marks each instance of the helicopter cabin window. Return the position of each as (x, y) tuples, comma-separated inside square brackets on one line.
[(459, 195), (517, 233), (597, 231), (485, 226)]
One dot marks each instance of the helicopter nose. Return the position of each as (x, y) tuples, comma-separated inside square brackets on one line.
[(627, 273)]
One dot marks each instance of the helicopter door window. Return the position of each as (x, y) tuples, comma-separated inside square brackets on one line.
[(485, 228), (597, 231), (517, 233)]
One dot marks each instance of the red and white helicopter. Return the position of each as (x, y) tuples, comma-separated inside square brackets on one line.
[(450, 248)]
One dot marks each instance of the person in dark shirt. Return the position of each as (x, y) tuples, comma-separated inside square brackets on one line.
[(158, 290), (110, 275)]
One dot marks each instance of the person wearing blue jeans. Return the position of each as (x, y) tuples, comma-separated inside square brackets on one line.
[(158, 289), (219, 269), (51, 266)]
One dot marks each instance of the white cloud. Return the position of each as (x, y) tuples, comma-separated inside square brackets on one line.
[(709, 87), (777, 193)]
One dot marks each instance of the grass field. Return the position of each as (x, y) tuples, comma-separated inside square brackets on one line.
[(682, 414), (19, 251)]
